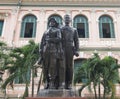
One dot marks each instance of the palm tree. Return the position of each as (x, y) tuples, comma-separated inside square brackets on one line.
[(110, 75), (99, 72), (20, 64), (90, 72)]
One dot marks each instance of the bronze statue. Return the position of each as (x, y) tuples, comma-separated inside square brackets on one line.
[(52, 56), (70, 45)]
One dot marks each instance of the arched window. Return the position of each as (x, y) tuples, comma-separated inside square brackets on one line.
[(81, 23), (28, 29), (106, 27), (1, 26), (58, 19)]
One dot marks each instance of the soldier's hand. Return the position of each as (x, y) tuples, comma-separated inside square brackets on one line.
[(37, 64), (76, 54), (41, 51)]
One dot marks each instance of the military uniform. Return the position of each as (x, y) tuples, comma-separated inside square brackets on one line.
[(70, 45), (52, 57)]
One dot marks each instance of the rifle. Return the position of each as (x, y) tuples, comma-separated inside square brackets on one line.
[(39, 62)]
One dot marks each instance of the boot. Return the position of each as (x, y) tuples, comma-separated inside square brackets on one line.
[(46, 86)]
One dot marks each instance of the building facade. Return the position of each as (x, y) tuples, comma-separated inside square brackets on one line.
[(97, 22)]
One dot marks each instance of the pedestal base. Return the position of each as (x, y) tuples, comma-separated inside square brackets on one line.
[(57, 93), (54, 98)]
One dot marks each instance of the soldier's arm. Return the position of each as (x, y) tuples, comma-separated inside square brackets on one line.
[(59, 37), (76, 40), (42, 43), (56, 39), (76, 44)]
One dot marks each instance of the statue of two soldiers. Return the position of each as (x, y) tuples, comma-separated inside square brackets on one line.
[(57, 48)]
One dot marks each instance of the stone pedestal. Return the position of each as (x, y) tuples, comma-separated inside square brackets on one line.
[(54, 98), (57, 93)]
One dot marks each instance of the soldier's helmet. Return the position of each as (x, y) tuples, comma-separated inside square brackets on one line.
[(53, 20)]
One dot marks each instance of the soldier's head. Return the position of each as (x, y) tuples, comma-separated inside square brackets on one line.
[(52, 22), (67, 19)]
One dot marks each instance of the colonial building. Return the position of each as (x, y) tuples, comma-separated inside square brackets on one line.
[(97, 22)]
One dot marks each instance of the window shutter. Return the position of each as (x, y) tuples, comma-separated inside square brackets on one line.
[(28, 19), (1, 26), (84, 20)]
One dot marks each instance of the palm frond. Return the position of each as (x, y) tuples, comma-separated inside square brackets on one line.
[(8, 80), (2, 43), (1, 79)]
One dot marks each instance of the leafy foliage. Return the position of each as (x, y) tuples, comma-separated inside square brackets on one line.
[(20, 63), (3, 56), (98, 72)]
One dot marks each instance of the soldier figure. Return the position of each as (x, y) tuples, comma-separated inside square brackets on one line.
[(70, 45), (51, 52)]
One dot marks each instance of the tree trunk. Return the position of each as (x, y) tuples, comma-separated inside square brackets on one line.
[(5, 93), (32, 82), (104, 92), (39, 83), (95, 91), (99, 91)]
